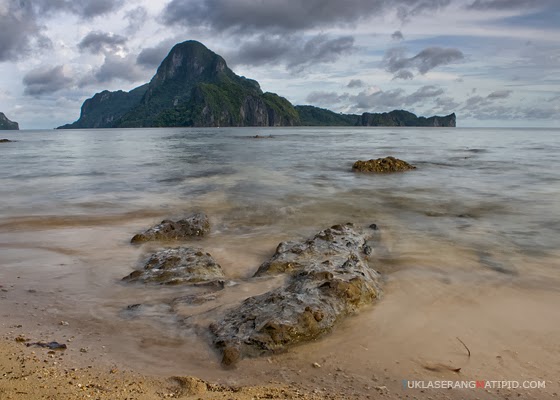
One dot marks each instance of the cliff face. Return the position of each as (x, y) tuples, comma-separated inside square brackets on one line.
[(105, 109), (6, 124), (405, 118)]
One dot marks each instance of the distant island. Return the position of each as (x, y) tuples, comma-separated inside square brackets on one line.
[(6, 124), (193, 86)]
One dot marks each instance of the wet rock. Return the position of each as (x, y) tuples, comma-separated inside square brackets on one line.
[(182, 265), (5, 141), (49, 345), (328, 280), (382, 165), (194, 225)]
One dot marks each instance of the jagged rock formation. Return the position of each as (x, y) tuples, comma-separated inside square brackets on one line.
[(194, 225), (193, 86), (183, 265), (382, 165), (6, 124), (329, 278)]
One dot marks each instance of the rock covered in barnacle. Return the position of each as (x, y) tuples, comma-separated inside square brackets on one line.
[(195, 225), (183, 265), (329, 279), (381, 165)]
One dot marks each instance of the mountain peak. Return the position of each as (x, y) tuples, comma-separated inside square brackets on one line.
[(189, 60)]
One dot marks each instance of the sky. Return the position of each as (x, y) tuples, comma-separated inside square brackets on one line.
[(492, 62)]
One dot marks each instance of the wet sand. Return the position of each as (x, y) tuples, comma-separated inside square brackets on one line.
[(61, 282)]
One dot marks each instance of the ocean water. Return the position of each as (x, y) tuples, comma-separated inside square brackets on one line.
[(482, 205)]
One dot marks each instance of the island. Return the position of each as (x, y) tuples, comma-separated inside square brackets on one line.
[(6, 124), (194, 87)]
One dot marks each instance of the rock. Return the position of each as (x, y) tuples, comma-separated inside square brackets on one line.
[(316, 365), (381, 165), (5, 141), (182, 265), (195, 225), (328, 280), (190, 386), (49, 345)]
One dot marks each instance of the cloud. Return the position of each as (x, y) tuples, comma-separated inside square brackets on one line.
[(117, 68), (280, 16), (136, 19), (396, 98), (500, 94), (86, 9), (395, 60), (397, 35), (47, 80), (97, 42), (20, 30), (151, 57), (375, 99), (404, 74), (509, 4), (355, 83), (287, 50), (326, 98)]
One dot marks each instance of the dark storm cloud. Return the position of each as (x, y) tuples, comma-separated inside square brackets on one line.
[(97, 42), (295, 55), (395, 60), (356, 83), (151, 57), (397, 35), (20, 30), (83, 8), (286, 15), (46, 80)]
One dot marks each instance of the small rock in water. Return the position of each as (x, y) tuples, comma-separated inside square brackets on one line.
[(182, 265), (382, 165), (195, 225)]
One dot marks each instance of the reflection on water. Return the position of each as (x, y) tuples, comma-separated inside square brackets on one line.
[(482, 205)]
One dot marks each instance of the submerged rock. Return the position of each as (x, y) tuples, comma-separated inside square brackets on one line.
[(183, 265), (6, 141), (380, 165), (195, 225), (329, 279)]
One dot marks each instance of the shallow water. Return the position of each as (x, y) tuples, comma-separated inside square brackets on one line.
[(481, 210)]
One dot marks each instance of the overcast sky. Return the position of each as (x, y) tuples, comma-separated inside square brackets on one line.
[(492, 62)]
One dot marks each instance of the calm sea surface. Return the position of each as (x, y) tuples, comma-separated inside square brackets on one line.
[(485, 200)]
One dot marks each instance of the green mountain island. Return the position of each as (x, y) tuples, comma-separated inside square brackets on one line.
[(193, 86), (6, 124)]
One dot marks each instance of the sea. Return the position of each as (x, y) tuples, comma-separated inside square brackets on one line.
[(481, 211)]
